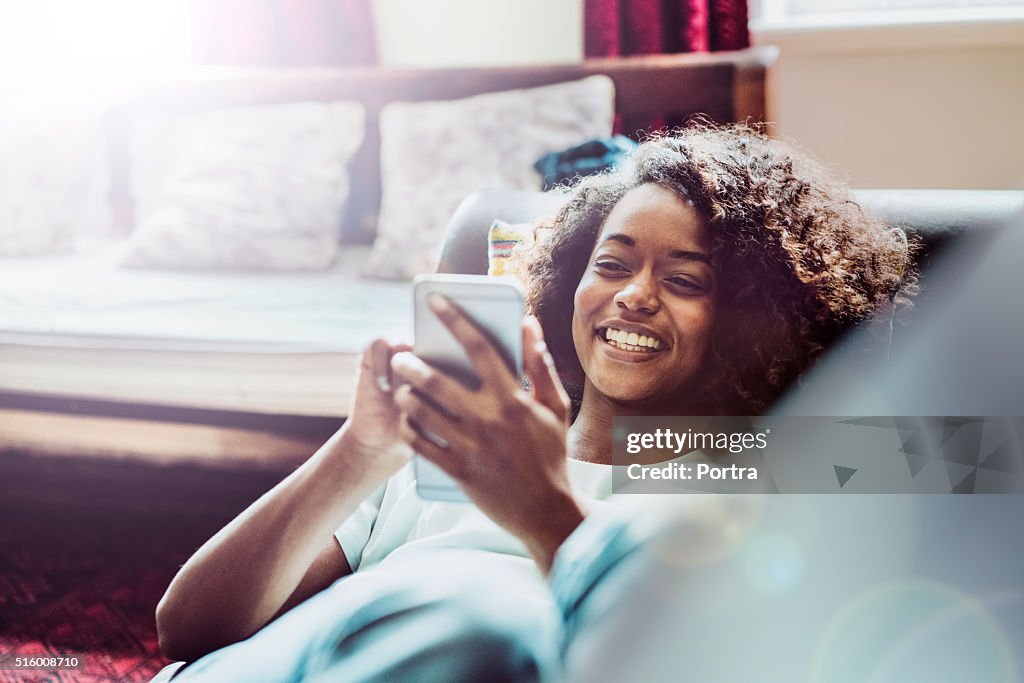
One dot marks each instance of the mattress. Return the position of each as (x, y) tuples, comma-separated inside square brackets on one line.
[(78, 326)]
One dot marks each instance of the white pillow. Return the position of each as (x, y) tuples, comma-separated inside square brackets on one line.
[(52, 179), (246, 187), (433, 154)]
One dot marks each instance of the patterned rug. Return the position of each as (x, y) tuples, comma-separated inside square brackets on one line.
[(77, 577)]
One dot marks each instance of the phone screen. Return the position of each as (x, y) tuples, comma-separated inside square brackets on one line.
[(496, 306)]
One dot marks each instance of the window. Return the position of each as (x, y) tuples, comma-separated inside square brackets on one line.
[(879, 11)]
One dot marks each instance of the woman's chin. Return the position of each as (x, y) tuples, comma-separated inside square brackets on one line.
[(634, 397), (642, 398)]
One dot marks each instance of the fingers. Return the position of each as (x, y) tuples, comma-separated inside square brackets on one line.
[(377, 361), (439, 454), (380, 364), (445, 391), (491, 367), (540, 368), (431, 422)]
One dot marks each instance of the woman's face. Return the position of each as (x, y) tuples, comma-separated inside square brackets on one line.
[(645, 307)]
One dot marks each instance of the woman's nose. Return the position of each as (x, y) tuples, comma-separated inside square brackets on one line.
[(639, 294)]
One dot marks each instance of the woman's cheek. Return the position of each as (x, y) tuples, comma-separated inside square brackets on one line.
[(584, 305), (701, 323), (585, 293), (694, 322)]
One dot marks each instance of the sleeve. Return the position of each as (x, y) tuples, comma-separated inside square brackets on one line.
[(354, 532)]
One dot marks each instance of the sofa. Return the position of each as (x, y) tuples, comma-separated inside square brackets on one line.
[(256, 367)]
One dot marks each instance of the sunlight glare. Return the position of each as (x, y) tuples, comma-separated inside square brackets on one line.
[(98, 35)]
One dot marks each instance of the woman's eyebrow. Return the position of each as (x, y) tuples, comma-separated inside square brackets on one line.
[(681, 254), (690, 256), (620, 238)]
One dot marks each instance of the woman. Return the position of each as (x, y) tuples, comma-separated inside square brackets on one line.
[(702, 279)]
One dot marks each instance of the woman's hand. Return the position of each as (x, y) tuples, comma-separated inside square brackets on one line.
[(373, 423), (504, 444)]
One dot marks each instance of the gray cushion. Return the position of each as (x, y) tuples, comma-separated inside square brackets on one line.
[(938, 217)]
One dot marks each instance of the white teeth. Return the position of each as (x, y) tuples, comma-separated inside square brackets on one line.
[(630, 340)]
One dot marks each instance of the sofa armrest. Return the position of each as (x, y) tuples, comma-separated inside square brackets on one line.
[(465, 245), (939, 217)]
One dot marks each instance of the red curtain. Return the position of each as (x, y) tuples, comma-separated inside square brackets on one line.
[(283, 32), (615, 28)]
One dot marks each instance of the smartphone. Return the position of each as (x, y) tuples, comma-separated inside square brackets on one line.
[(495, 305)]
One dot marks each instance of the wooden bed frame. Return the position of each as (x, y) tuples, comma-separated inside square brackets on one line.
[(724, 86)]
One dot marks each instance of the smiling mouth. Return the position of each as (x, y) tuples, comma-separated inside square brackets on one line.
[(629, 341)]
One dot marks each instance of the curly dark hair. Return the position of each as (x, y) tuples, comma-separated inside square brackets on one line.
[(799, 262)]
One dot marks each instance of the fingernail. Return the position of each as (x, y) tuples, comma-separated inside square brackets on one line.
[(405, 363), (383, 383), (437, 303)]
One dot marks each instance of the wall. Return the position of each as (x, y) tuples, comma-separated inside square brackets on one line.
[(910, 106), (918, 104), (479, 32)]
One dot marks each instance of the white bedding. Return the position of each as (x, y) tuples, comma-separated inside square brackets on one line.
[(86, 295), (75, 326)]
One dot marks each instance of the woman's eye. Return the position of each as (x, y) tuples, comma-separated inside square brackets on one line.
[(609, 267), (686, 284)]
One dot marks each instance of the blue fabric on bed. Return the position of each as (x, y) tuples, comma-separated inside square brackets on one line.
[(589, 158)]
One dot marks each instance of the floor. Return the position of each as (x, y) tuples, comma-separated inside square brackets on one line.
[(88, 548)]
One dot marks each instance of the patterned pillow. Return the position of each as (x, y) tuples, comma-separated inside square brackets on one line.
[(503, 240), (258, 188), (510, 245), (433, 154)]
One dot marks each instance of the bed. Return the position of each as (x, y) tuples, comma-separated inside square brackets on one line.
[(259, 366)]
